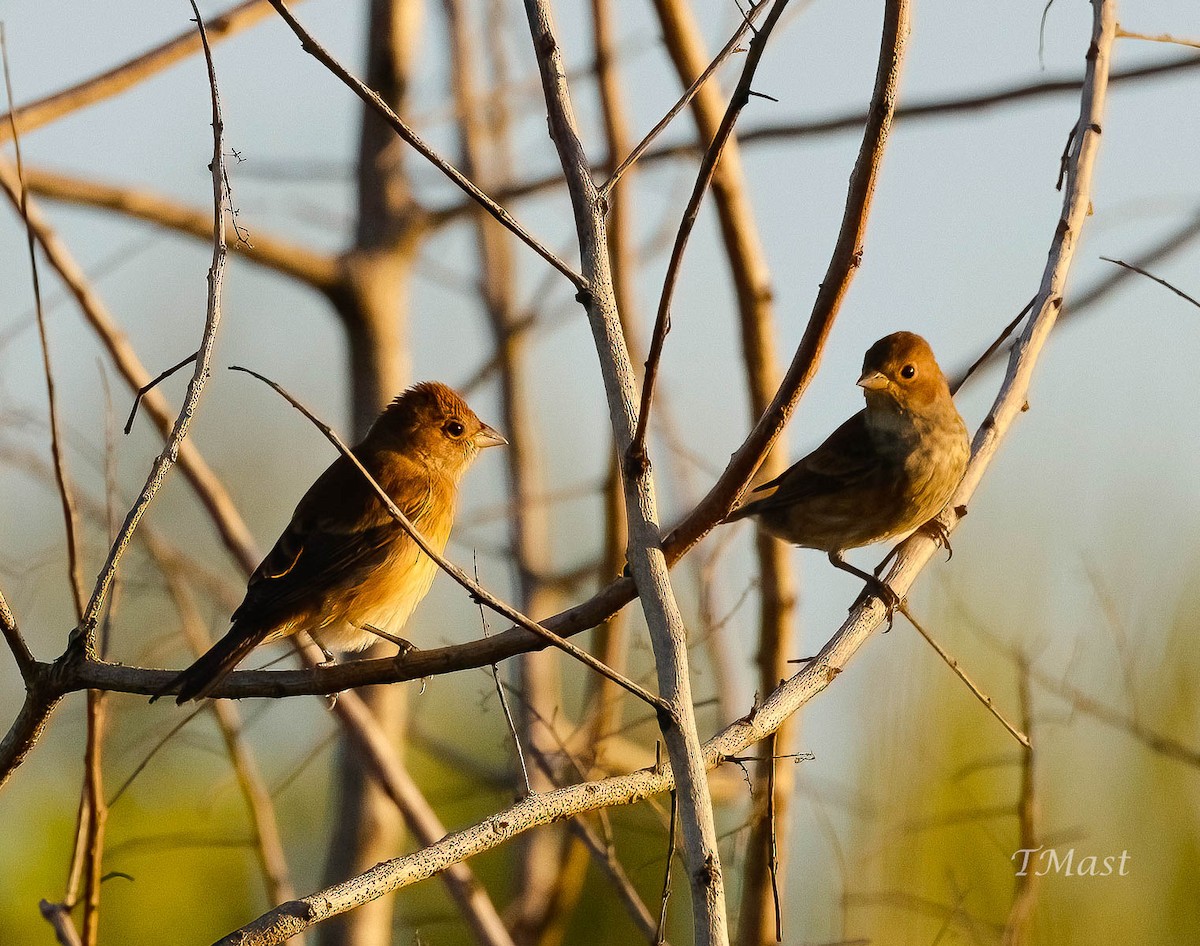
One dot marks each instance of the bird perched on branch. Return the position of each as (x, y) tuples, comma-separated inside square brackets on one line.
[(886, 471), (344, 569)]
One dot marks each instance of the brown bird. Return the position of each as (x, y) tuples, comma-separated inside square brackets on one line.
[(886, 471), (343, 567)]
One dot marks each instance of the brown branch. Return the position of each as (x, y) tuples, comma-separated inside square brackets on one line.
[(1158, 279), (232, 529), (731, 47), (318, 270), (708, 166), (373, 101), (26, 663), (1025, 888), (953, 664), (61, 479), (132, 72), (935, 109)]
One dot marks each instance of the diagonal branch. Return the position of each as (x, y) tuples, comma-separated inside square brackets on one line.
[(708, 166), (232, 528), (373, 101), (132, 72)]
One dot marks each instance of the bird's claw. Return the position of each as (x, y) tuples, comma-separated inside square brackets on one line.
[(891, 599), (936, 530)]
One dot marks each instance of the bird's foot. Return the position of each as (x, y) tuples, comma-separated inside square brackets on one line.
[(330, 700), (877, 588), (327, 659), (936, 530)]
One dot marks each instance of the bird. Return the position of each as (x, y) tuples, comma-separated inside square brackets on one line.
[(886, 471), (344, 571)]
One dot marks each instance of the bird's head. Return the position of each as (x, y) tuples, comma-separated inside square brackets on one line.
[(900, 373), (432, 422)]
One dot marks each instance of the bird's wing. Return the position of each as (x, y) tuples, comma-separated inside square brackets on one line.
[(338, 534), (844, 460)]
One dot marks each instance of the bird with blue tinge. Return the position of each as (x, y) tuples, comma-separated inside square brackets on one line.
[(344, 571)]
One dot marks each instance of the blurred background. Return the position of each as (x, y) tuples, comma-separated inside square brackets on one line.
[(1078, 559)]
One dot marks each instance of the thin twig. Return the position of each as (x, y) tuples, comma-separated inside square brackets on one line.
[(1158, 279), (731, 47), (662, 323), (166, 459), (962, 675), (477, 592), (61, 479), (150, 386), (660, 933), (113, 81), (508, 716), (1158, 38), (26, 663), (373, 100)]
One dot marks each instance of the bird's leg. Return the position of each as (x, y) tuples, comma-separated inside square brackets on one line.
[(936, 530), (875, 585), (328, 659), (406, 647)]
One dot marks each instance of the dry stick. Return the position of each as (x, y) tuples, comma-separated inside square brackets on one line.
[(472, 899), (373, 101), (61, 480), (276, 926), (660, 933), (233, 531), (1158, 38), (662, 323), (128, 74), (1025, 887), (508, 716), (26, 663), (719, 60), (647, 562), (320, 271), (1158, 279), (150, 386), (166, 459), (773, 858), (477, 592), (983, 698), (87, 850)]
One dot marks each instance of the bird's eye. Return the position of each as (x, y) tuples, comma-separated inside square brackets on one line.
[(454, 429), (908, 372)]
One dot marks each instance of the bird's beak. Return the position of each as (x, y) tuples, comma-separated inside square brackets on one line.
[(872, 381), (488, 437)]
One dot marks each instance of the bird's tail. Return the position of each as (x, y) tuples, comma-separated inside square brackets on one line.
[(213, 666)]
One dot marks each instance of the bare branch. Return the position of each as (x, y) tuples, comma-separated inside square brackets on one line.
[(130, 73), (373, 101), (708, 166), (317, 270), (61, 479)]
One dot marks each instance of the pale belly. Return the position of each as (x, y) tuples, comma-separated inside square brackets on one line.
[(384, 600)]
